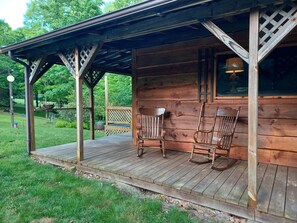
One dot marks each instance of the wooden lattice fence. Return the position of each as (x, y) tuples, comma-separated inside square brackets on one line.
[(118, 120)]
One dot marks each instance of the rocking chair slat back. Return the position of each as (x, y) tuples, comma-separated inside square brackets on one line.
[(218, 137), (227, 119), (151, 127)]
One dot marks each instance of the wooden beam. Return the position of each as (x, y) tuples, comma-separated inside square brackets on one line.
[(106, 99), (79, 110), (92, 118), (58, 109), (44, 69), (29, 112), (134, 96), (67, 64), (199, 74), (253, 108), (205, 78), (37, 66), (227, 40), (211, 74)]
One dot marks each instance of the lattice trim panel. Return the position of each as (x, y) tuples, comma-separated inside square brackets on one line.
[(70, 56), (115, 130), (274, 20), (92, 77), (119, 115), (84, 54), (38, 68)]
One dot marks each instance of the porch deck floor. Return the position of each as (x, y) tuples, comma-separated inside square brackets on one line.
[(115, 157)]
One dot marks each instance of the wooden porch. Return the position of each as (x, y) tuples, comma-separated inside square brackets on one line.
[(114, 157)]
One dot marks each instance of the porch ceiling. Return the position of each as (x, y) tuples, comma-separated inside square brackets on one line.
[(151, 23)]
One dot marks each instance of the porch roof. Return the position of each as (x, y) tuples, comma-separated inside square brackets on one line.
[(147, 24)]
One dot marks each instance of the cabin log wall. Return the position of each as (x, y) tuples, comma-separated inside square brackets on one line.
[(167, 77)]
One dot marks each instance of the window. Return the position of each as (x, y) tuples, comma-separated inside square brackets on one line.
[(277, 75)]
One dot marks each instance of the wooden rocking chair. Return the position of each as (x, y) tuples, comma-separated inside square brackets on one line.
[(151, 128), (215, 142)]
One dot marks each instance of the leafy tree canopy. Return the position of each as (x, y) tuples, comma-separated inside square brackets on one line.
[(118, 4), (47, 15)]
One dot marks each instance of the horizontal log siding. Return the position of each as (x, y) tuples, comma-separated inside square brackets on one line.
[(167, 77)]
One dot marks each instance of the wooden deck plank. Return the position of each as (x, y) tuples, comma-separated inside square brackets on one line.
[(91, 156), (237, 191), (147, 163), (189, 167), (291, 198), (104, 158), (225, 189), (219, 181), (108, 153), (203, 184), (112, 159), (150, 158), (195, 180), (141, 163), (278, 196), (188, 176), (177, 167), (264, 193), (162, 168), (90, 151), (260, 173)]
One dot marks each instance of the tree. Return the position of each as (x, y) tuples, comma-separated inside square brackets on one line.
[(47, 15), (7, 37), (118, 4)]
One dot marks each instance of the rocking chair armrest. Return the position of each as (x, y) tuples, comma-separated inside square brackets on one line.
[(196, 133), (138, 132)]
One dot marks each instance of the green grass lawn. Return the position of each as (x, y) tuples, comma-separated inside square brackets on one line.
[(31, 192)]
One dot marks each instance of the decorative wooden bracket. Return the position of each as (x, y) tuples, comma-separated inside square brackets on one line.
[(275, 23), (86, 55), (38, 68), (227, 40), (92, 77), (68, 59)]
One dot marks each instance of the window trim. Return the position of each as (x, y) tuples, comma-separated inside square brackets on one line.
[(235, 97)]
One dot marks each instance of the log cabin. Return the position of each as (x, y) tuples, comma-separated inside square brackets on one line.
[(176, 53)]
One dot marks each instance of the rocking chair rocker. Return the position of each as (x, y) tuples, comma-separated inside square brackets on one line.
[(216, 142), (151, 129)]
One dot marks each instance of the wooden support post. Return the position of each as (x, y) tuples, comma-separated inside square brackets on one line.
[(79, 109), (29, 112), (253, 108), (134, 97), (199, 74), (106, 99), (92, 122)]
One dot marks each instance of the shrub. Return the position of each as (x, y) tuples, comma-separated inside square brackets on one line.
[(65, 124), (61, 124)]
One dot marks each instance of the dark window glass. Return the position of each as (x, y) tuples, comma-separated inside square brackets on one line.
[(277, 75)]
